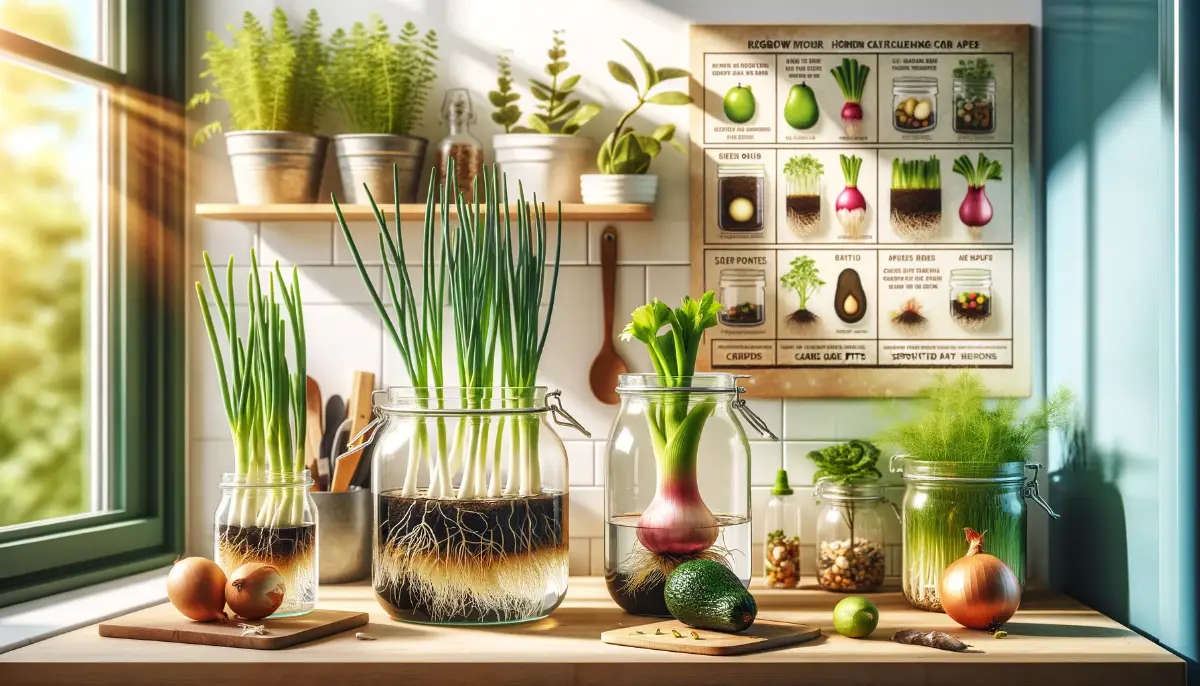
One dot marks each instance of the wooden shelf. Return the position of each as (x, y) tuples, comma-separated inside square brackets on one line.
[(575, 212)]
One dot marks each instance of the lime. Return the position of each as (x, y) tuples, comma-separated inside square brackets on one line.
[(855, 617)]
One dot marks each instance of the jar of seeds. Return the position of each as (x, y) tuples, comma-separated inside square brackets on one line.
[(850, 544), (781, 549)]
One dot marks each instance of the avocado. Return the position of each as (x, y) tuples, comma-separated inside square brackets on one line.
[(850, 300), (707, 595), (739, 104), (800, 109)]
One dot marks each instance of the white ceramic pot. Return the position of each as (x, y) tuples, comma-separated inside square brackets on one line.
[(612, 189), (546, 164)]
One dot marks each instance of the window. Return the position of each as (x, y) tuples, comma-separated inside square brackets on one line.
[(92, 145)]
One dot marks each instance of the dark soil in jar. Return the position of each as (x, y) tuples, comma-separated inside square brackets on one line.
[(287, 548), (804, 213), (647, 600), (974, 115), (971, 309), (916, 213), (743, 314), (438, 560), (732, 188)]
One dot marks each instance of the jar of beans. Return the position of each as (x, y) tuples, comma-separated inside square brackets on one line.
[(850, 543), (781, 549)]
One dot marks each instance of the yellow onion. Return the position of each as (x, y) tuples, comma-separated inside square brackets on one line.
[(978, 590), (196, 587), (255, 590)]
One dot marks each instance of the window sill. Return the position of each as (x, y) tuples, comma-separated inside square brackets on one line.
[(36, 620)]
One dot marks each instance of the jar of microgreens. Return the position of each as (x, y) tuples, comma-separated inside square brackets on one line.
[(471, 509), (943, 497), (270, 519), (850, 540), (677, 486)]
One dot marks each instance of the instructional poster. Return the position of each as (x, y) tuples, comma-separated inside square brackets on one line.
[(861, 205)]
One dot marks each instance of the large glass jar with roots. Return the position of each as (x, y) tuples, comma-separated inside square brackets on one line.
[(471, 510), (270, 518), (677, 486)]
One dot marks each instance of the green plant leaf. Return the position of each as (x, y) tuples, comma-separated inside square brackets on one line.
[(556, 68), (622, 74), (604, 158), (583, 115), (497, 99), (512, 97), (670, 98), (665, 73), (664, 133), (677, 145), (647, 69), (568, 83), (539, 93), (544, 86), (521, 129), (649, 145), (538, 123)]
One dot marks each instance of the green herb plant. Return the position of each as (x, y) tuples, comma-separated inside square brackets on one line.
[(803, 174), (264, 400), (803, 278), (846, 462), (625, 151), (961, 433), (557, 112), (975, 75), (273, 81), (382, 85)]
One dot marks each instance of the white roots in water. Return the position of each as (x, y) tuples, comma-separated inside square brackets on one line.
[(646, 569), (236, 546), (458, 564)]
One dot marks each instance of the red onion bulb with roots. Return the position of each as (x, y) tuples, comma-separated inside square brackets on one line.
[(975, 210), (852, 116)]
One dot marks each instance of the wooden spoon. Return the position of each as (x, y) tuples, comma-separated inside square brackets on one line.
[(313, 431), (608, 364)]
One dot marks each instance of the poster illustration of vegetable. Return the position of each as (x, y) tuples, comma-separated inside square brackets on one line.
[(861, 205)]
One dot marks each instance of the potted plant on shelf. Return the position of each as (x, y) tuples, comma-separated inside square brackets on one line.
[(625, 156), (272, 82), (381, 86), (548, 155)]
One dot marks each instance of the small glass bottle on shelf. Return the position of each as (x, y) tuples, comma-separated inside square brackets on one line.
[(781, 550), (460, 145)]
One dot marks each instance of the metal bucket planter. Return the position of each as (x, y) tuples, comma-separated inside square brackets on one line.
[(274, 167), (549, 165), (367, 158)]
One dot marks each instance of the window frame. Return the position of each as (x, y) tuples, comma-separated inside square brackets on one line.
[(143, 346)]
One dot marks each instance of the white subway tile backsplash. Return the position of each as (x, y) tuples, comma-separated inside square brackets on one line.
[(366, 239), (579, 557), (597, 554), (766, 458), (580, 459), (296, 242), (832, 420), (587, 512), (341, 340), (207, 460), (221, 239), (669, 284)]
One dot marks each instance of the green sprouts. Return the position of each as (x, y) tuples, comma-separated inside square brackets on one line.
[(978, 174), (492, 270), (913, 175), (264, 399), (803, 174)]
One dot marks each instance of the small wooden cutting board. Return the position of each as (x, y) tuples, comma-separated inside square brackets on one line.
[(764, 634), (164, 623)]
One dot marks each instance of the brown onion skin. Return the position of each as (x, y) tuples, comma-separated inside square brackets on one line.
[(196, 587), (255, 590), (978, 590)]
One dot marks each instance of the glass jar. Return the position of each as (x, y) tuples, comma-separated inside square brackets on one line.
[(971, 297), (744, 295), (914, 103), (974, 105), (675, 491), (942, 498), (781, 547), (270, 519), (456, 474), (741, 190), (850, 541), (460, 145)]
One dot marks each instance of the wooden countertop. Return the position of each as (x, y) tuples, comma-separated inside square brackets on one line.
[(1053, 639)]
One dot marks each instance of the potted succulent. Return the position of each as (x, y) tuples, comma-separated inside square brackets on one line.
[(272, 82), (381, 86), (547, 155), (625, 156)]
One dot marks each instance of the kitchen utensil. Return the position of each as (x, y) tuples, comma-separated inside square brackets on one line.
[(608, 363), (313, 431), (764, 634), (359, 414), (335, 413), (345, 551), (164, 623)]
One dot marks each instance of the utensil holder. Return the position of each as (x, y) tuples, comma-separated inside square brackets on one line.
[(345, 550)]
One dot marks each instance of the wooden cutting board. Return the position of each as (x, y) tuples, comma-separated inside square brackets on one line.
[(164, 623), (764, 634)]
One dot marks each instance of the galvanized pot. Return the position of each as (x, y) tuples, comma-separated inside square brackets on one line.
[(344, 550), (271, 167), (368, 158)]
